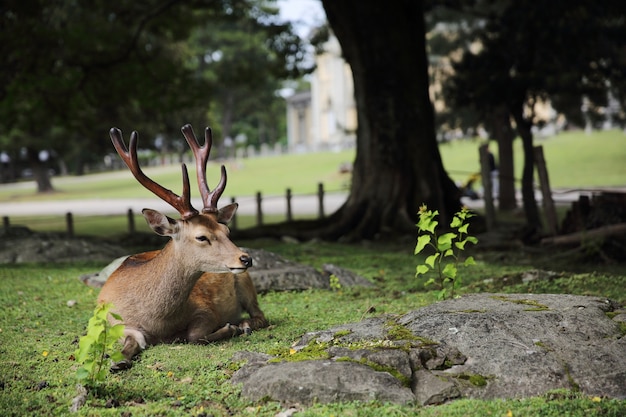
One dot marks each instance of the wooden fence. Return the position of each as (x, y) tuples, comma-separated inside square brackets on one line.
[(289, 215)]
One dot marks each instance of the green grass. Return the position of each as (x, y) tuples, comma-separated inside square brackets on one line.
[(574, 159), (39, 332)]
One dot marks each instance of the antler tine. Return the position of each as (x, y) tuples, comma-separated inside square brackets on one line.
[(129, 155), (201, 154)]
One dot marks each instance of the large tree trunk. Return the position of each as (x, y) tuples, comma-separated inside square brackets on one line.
[(398, 166)]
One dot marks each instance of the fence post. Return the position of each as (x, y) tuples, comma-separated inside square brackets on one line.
[(6, 224), (69, 221), (131, 221), (259, 209), (544, 181), (320, 196), (490, 211), (289, 213), (233, 221)]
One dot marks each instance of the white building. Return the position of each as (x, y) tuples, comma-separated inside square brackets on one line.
[(324, 118)]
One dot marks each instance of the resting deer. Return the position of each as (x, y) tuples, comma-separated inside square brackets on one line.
[(196, 288)]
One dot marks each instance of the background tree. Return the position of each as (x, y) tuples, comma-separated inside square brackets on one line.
[(397, 166), (73, 69), (532, 52)]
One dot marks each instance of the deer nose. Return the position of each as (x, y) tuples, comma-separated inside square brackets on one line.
[(246, 260)]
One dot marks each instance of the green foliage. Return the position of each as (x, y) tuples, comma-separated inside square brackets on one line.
[(447, 248), (335, 285), (96, 350)]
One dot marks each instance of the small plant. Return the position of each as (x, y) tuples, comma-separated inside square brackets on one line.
[(335, 284), (447, 247), (96, 350)]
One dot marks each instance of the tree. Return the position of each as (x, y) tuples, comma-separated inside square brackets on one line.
[(73, 69), (398, 166), (559, 51)]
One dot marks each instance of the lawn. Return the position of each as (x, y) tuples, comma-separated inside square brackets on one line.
[(39, 331)]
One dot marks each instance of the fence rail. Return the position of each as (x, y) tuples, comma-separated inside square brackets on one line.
[(234, 224)]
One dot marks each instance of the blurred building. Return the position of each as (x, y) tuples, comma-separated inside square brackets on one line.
[(325, 117)]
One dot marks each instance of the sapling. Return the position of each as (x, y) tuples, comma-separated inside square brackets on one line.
[(447, 248), (96, 350)]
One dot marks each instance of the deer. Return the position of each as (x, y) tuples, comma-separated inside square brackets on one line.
[(196, 288)]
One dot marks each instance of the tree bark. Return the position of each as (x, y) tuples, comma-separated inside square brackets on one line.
[(40, 171), (533, 220), (398, 166), (504, 135)]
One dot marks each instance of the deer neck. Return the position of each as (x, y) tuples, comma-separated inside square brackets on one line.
[(173, 281)]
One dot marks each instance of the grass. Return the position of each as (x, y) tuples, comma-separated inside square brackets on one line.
[(575, 160), (39, 332)]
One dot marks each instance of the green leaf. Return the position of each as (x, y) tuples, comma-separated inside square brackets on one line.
[(421, 269), (460, 244), (116, 332), (449, 271), (422, 241), (444, 241), (472, 239), (116, 316), (430, 261), (456, 222), (448, 252), (442, 294), (82, 373), (430, 281), (469, 261)]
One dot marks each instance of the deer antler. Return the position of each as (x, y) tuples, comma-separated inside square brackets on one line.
[(201, 154), (180, 203)]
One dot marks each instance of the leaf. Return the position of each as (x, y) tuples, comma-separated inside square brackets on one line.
[(82, 373), (456, 222), (449, 271), (449, 252), (469, 261), (463, 228), (116, 316), (421, 269), (472, 239), (444, 241), (422, 241), (460, 244), (431, 281), (430, 261), (116, 332), (441, 294)]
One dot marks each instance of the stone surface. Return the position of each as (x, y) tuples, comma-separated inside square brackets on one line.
[(478, 346)]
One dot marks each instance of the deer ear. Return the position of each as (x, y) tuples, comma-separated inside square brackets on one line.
[(225, 214), (160, 223)]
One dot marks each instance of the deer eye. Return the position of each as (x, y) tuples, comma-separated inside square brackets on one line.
[(202, 238)]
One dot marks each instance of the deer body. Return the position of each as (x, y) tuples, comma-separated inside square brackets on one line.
[(196, 288)]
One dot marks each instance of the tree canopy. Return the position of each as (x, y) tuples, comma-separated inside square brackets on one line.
[(73, 69)]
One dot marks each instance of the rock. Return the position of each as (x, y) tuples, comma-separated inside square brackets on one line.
[(50, 247), (346, 277), (478, 346), (323, 381), (271, 272)]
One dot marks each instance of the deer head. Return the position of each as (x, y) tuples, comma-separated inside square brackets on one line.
[(200, 241)]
